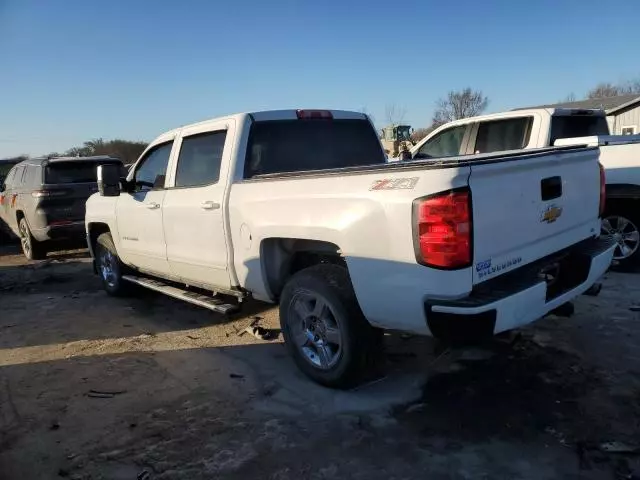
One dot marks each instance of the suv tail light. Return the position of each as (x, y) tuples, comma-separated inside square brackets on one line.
[(442, 230), (49, 193), (314, 114), (603, 190)]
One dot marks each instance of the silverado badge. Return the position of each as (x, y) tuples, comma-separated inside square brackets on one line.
[(551, 214)]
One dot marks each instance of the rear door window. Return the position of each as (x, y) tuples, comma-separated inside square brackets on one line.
[(315, 144), (502, 135), (571, 126), (200, 158), (447, 143)]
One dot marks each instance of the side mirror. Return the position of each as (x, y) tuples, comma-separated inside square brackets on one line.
[(109, 179), (405, 155)]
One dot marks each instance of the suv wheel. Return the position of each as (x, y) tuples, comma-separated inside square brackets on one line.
[(31, 248), (324, 328), (109, 266)]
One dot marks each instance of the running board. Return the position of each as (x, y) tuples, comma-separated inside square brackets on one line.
[(199, 299)]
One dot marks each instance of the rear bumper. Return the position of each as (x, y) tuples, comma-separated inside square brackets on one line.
[(523, 296), (71, 231)]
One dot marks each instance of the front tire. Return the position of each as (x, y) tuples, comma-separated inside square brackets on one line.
[(324, 328), (622, 225), (32, 249), (109, 266)]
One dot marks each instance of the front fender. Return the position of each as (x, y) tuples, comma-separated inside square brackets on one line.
[(102, 210)]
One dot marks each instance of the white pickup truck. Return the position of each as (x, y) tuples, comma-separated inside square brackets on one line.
[(544, 127), (300, 207)]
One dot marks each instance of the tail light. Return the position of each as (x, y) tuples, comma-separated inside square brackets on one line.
[(49, 193), (314, 114), (442, 230), (603, 190)]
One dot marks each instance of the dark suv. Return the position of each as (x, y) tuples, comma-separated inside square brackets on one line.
[(43, 200)]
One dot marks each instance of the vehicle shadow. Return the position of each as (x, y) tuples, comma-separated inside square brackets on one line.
[(63, 300)]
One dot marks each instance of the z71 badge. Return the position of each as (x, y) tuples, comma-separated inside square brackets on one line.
[(405, 183), (550, 214)]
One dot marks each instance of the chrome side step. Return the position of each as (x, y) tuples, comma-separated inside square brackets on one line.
[(212, 303)]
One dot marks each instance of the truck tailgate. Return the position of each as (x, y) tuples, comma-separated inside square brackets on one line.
[(528, 207)]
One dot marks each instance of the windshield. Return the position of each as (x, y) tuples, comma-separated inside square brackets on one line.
[(303, 145), (71, 172), (571, 126)]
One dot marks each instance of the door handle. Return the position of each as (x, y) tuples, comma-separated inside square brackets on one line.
[(550, 188), (209, 205), (152, 205)]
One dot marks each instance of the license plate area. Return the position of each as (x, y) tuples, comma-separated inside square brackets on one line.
[(565, 273)]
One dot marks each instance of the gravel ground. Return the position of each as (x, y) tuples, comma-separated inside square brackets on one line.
[(146, 387)]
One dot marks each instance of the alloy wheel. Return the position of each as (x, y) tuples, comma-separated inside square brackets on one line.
[(624, 232), (108, 267), (25, 239), (314, 329)]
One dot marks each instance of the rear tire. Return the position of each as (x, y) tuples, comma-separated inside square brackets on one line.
[(324, 329), (109, 267), (32, 249), (621, 223)]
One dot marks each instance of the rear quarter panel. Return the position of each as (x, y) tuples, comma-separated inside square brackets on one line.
[(621, 163), (372, 229), (619, 155)]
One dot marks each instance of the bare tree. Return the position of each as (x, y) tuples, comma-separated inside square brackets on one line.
[(463, 104), (631, 86), (365, 110), (569, 98), (604, 90), (394, 114)]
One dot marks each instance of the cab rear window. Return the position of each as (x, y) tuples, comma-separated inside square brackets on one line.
[(314, 144), (570, 126)]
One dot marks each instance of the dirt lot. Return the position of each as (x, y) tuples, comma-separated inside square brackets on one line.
[(93, 387)]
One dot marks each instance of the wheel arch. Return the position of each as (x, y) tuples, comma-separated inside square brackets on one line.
[(94, 230), (282, 257)]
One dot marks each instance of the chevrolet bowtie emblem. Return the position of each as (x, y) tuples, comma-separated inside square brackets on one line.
[(551, 214)]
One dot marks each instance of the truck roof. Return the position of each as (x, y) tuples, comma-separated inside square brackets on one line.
[(49, 160), (272, 115), (527, 111)]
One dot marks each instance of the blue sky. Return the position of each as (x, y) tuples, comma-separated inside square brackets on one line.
[(73, 70)]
